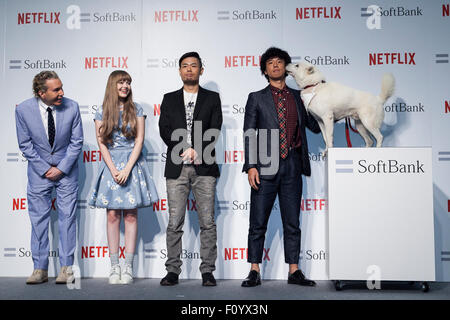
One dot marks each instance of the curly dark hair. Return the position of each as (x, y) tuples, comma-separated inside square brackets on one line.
[(273, 52)]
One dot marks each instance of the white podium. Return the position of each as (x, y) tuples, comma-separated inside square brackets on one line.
[(381, 214)]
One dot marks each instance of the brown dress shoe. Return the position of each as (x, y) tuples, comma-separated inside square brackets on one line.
[(38, 276), (65, 275)]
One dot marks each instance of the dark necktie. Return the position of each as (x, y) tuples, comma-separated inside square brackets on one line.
[(281, 110), (51, 127)]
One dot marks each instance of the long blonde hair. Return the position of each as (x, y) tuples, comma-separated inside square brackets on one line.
[(111, 103)]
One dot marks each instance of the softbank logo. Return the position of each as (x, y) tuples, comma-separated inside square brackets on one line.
[(37, 64), (164, 63), (441, 58), (344, 166), (223, 205), (380, 166), (9, 252), (444, 156), (13, 157), (374, 14), (76, 17), (247, 15)]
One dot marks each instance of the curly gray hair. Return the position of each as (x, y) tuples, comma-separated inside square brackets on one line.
[(39, 81)]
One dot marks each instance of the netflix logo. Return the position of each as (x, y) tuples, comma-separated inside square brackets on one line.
[(157, 110), (20, 204), (445, 10), (92, 252), (318, 13), (447, 106), (313, 205), (92, 156), (162, 205), (176, 16), (392, 58), (234, 156), (242, 61), (242, 254), (38, 18), (105, 62)]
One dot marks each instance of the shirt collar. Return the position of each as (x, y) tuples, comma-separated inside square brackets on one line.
[(43, 105), (277, 91)]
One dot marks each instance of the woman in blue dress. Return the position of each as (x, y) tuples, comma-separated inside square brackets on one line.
[(124, 182)]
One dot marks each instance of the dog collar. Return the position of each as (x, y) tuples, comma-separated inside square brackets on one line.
[(313, 85)]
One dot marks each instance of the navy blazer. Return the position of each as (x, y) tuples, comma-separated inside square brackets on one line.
[(261, 113)]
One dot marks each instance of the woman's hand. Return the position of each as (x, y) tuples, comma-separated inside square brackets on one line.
[(115, 174), (122, 176)]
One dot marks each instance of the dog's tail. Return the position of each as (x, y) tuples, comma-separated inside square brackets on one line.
[(387, 87), (387, 90)]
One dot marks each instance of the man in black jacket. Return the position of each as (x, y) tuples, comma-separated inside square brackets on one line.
[(276, 156), (189, 124)]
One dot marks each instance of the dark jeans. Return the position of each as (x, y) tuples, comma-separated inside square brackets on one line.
[(287, 184)]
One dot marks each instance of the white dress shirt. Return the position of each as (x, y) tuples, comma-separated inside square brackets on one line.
[(44, 115)]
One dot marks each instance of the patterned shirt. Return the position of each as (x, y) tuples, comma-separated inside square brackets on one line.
[(293, 132)]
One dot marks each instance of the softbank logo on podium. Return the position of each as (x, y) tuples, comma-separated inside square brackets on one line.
[(344, 166), (379, 166)]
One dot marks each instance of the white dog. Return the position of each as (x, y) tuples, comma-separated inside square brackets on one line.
[(329, 102)]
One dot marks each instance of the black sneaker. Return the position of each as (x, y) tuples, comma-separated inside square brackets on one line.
[(170, 279), (208, 280)]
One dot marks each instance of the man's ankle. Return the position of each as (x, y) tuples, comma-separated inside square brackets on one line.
[(255, 268)]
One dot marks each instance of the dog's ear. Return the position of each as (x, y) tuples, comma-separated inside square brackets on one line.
[(310, 70)]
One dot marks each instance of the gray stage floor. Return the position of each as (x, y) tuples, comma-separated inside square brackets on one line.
[(149, 289)]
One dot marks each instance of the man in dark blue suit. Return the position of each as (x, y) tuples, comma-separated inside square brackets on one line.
[(276, 156)]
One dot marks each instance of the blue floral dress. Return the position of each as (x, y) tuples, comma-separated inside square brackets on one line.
[(138, 191)]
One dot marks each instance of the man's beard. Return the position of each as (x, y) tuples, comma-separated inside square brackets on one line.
[(190, 82)]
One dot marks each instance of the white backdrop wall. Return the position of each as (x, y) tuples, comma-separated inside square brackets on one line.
[(83, 41)]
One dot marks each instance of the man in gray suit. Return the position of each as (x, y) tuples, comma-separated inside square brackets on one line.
[(50, 135)]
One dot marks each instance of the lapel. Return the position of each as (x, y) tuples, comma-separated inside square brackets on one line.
[(59, 111), (199, 103), (179, 104), (36, 111), (268, 104)]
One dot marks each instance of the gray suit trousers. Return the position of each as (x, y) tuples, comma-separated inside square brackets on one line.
[(203, 188)]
